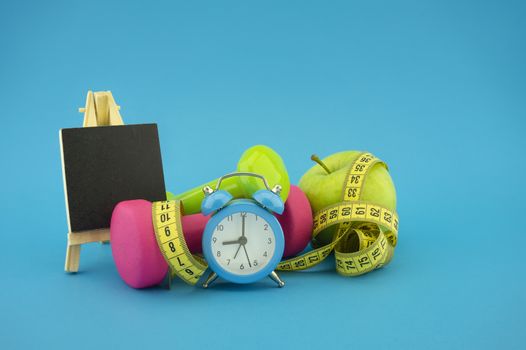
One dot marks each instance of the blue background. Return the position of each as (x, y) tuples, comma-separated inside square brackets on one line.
[(436, 89)]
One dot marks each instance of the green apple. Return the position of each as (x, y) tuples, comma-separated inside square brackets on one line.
[(323, 185), (258, 159)]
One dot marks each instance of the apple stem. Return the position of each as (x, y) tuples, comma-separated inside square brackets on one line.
[(318, 160)]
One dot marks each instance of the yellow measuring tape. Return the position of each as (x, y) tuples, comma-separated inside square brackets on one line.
[(169, 234), (366, 234), (365, 239)]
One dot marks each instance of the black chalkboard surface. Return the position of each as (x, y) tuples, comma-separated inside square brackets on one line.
[(106, 165)]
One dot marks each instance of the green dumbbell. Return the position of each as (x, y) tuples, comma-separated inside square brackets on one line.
[(258, 159)]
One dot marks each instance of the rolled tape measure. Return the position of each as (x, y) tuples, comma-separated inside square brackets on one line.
[(367, 233), (365, 240)]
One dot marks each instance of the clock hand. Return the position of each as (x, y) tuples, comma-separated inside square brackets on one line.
[(231, 242), (237, 251), (243, 228), (249, 264), (242, 240)]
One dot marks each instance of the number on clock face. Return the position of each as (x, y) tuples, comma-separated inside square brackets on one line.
[(243, 243)]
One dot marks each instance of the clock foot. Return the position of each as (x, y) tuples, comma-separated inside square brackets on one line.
[(211, 278), (274, 276)]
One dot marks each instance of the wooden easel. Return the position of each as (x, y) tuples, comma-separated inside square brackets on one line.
[(100, 110)]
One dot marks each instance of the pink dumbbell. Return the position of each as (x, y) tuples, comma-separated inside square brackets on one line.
[(139, 260)]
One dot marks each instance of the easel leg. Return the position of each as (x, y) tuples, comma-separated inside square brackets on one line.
[(72, 258)]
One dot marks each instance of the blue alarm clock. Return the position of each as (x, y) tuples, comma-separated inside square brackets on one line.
[(243, 242)]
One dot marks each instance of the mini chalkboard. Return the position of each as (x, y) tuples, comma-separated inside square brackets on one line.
[(106, 165)]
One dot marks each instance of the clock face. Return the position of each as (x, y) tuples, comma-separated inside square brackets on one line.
[(243, 243)]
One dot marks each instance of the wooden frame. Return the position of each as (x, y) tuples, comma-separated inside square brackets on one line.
[(100, 110)]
